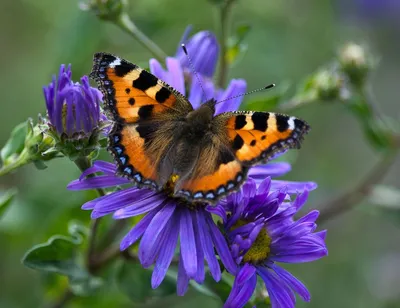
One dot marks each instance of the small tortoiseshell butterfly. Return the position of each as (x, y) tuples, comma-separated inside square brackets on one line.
[(156, 133)]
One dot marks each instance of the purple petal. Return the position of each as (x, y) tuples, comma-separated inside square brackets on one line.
[(200, 274), (293, 187), (165, 256), (97, 182), (217, 210), (279, 293), (241, 294), (245, 273), (176, 78), (183, 279), (295, 284), (321, 234), (142, 205), (207, 245), (221, 246), (236, 87), (137, 231), (188, 244), (149, 241), (270, 169), (300, 256), (157, 70)]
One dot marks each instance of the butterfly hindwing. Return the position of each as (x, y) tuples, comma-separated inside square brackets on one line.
[(142, 108), (217, 173), (244, 139)]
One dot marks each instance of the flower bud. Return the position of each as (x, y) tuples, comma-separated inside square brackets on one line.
[(355, 63)]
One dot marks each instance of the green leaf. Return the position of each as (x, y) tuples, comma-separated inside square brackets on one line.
[(135, 282), (57, 255), (6, 200), (15, 144)]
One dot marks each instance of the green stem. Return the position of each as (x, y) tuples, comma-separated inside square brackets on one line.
[(22, 159), (126, 24), (224, 33), (84, 163)]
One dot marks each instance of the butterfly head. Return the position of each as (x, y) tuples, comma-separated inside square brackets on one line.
[(199, 120)]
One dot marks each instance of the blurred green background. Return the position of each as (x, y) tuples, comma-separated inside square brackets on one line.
[(289, 40)]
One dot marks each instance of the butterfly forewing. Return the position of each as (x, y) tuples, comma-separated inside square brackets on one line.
[(142, 108)]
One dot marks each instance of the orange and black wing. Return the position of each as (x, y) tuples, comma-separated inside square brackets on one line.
[(242, 139), (143, 109)]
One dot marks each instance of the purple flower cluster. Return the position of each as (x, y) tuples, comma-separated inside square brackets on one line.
[(257, 228)]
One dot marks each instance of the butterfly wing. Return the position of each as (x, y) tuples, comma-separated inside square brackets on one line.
[(242, 139), (144, 111)]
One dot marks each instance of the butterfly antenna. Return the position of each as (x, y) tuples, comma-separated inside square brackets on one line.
[(253, 91), (193, 70)]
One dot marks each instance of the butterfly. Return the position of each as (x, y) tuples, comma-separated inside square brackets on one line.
[(156, 134)]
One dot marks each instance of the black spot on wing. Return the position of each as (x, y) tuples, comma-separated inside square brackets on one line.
[(240, 121), (144, 81), (237, 143), (225, 156), (162, 95), (124, 68), (253, 142), (282, 122), (145, 112), (131, 101), (127, 90), (260, 120)]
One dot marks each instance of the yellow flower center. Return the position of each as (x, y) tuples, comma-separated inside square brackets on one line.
[(260, 248), (168, 189)]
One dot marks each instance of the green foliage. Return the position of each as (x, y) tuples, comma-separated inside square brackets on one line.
[(6, 199), (60, 255), (134, 281)]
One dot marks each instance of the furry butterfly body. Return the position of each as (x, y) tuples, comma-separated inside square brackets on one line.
[(156, 134)]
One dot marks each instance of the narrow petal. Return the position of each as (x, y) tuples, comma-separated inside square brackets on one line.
[(97, 182), (245, 273), (176, 78), (183, 279), (221, 246), (200, 274), (188, 244), (279, 293), (207, 245), (270, 169), (292, 282), (165, 256), (137, 231), (293, 187), (235, 88), (241, 294), (149, 240), (142, 205)]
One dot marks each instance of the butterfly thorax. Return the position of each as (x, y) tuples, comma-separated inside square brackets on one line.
[(198, 122)]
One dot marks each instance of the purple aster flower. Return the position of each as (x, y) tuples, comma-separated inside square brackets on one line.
[(261, 231), (165, 220), (72, 107)]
